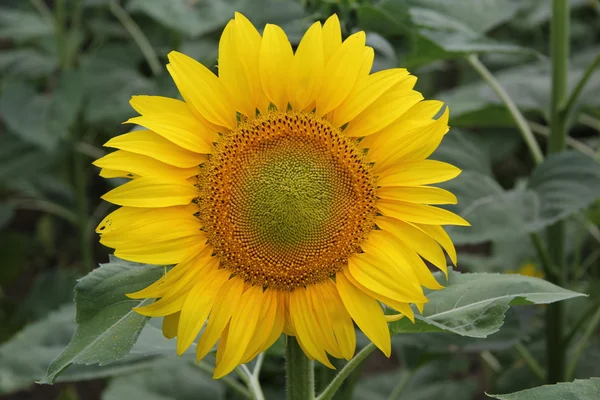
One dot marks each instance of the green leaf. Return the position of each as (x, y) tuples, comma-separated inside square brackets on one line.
[(27, 63), (22, 25), (475, 304), (564, 184), (7, 212), (107, 326), (168, 379), (464, 150), (580, 389), (428, 381), (42, 119), (49, 290), (112, 78), (24, 358), (196, 19), (20, 161)]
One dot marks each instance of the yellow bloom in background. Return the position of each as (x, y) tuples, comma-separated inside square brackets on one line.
[(528, 269), (291, 192)]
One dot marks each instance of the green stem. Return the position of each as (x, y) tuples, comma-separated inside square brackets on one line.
[(524, 128), (595, 305), (591, 328), (568, 108), (335, 384), (138, 36), (299, 371), (401, 385), (559, 32), (252, 381), (232, 383), (80, 181), (60, 29), (531, 362), (543, 130), (543, 255)]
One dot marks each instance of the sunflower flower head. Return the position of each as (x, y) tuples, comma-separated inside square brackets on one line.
[(291, 192)]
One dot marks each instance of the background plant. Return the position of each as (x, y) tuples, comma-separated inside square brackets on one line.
[(517, 76)]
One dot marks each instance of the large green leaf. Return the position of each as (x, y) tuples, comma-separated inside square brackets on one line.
[(580, 389), (22, 25), (168, 379), (526, 84), (107, 326), (429, 381), (26, 63), (24, 358), (564, 184), (42, 119), (195, 19), (475, 304)]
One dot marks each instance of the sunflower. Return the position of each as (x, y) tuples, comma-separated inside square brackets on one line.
[(290, 191)]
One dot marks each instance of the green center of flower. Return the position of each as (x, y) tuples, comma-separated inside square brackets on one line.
[(285, 199), (290, 194)]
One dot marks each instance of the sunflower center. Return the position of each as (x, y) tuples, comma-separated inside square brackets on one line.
[(285, 199)]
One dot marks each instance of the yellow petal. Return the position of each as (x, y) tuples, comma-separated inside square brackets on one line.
[(169, 325), (404, 257), (385, 110), (399, 306), (153, 145), (154, 225), (162, 252), (415, 238), (306, 70), (141, 165), (339, 318), (419, 213), (366, 92), (152, 192), (263, 327), (202, 90), (380, 276), (226, 303), (108, 173), (340, 73), (368, 58), (238, 63), (322, 324), (307, 326), (241, 329), (366, 312), (388, 150), (416, 173), (438, 234), (278, 324), (332, 36), (274, 62), (174, 120), (179, 277), (120, 218), (417, 194), (197, 306)]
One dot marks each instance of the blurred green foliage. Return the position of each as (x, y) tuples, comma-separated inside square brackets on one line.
[(69, 67)]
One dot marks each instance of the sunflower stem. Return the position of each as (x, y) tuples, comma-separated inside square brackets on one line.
[(300, 374), (559, 38), (335, 384), (138, 36), (520, 120), (589, 331)]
